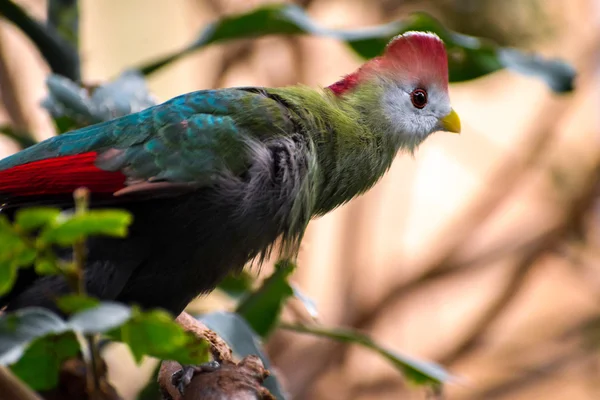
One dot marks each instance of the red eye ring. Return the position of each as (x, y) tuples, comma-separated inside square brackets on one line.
[(418, 97)]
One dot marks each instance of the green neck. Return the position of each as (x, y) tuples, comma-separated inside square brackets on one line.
[(353, 148)]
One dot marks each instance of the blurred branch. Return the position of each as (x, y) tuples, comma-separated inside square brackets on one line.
[(12, 388), (9, 93), (235, 53), (12, 96), (60, 55), (509, 293), (527, 376), (574, 208)]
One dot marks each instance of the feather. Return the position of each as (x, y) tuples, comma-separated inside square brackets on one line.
[(58, 176)]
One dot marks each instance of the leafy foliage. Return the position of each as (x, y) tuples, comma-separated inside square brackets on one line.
[(39, 366), (261, 308), (34, 342), (154, 333), (66, 231), (18, 249), (19, 329), (470, 57), (30, 335), (72, 303)]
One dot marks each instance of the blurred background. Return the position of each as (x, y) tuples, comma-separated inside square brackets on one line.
[(480, 252)]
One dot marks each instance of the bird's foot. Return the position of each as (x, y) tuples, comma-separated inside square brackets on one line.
[(182, 378)]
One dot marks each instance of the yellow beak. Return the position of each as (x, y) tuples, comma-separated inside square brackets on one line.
[(451, 122)]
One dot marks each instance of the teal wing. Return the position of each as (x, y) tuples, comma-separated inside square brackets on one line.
[(188, 141)]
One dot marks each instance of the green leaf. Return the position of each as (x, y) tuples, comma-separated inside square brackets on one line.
[(95, 222), (8, 276), (40, 366), (469, 57), (29, 219), (236, 285), (25, 256), (155, 333), (243, 341), (261, 308), (416, 371), (9, 239), (71, 303), (19, 329), (46, 265), (101, 318), (14, 253)]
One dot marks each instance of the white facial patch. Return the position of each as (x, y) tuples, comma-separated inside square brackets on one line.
[(411, 124)]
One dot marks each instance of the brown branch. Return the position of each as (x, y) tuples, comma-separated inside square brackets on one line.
[(218, 347), (229, 380)]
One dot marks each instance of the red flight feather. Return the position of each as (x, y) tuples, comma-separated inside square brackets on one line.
[(59, 175)]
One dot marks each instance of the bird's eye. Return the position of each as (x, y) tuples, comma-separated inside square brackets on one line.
[(419, 98)]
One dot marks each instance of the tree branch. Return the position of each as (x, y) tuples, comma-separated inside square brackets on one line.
[(61, 57)]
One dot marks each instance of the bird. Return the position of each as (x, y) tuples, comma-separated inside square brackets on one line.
[(219, 179)]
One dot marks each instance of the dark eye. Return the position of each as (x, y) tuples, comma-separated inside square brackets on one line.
[(419, 98)]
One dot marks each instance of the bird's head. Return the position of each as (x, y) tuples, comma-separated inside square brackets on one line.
[(409, 85)]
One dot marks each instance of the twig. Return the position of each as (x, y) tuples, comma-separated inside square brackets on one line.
[(82, 197), (218, 347)]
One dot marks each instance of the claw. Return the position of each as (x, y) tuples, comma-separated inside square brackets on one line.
[(182, 378)]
